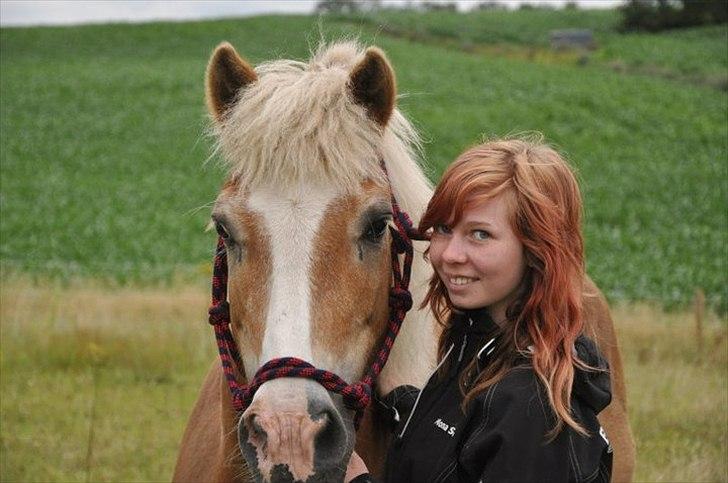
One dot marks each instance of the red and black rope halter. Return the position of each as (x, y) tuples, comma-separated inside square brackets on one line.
[(356, 396)]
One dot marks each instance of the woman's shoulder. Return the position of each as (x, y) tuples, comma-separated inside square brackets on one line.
[(592, 384), (520, 392)]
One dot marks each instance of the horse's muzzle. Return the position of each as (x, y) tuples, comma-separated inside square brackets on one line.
[(292, 431)]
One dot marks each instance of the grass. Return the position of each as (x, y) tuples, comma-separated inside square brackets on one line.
[(103, 144), (142, 354), (147, 351), (694, 55), (104, 197)]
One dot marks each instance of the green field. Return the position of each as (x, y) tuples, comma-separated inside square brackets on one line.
[(105, 193), (696, 55), (103, 148)]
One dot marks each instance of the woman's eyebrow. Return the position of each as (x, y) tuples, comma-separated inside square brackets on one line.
[(483, 223)]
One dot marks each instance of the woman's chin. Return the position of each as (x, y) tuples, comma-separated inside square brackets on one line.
[(465, 302)]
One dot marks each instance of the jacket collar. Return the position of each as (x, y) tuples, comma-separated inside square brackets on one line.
[(482, 324)]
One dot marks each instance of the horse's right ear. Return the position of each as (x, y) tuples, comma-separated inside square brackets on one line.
[(373, 85), (227, 73)]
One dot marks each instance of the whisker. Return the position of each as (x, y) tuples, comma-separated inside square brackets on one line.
[(193, 211)]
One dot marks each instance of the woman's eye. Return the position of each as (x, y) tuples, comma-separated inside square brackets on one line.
[(375, 230), (442, 229), (480, 235)]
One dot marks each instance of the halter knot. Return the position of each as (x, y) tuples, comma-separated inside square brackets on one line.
[(357, 396), (401, 243), (400, 298), (219, 313)]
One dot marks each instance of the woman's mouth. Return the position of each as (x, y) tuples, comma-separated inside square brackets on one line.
[(457, 281)]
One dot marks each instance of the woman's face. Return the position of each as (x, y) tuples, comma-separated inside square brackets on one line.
[(480, 260)]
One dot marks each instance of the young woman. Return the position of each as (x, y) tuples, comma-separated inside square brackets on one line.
[(519, 387)]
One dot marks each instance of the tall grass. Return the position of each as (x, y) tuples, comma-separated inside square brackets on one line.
[(143, 355), (150, 349)]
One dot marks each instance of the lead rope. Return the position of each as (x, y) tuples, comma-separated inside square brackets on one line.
[(356, 396)]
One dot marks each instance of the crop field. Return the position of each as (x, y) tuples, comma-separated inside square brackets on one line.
[(103, 150), (105, 193), (696, 55)]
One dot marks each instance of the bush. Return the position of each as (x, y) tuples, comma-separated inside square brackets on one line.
[(656, 15)]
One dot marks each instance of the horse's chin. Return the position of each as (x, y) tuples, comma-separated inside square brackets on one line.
[(331, 457)]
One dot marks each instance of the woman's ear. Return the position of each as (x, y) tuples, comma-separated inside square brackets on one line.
[(227, 74)]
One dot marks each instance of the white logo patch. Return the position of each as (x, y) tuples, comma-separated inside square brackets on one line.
[(450, 430)]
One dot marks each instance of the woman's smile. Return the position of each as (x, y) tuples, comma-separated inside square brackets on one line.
[(460, 281), (480, 259)]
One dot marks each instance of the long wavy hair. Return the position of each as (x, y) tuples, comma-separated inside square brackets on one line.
[(545, 319)]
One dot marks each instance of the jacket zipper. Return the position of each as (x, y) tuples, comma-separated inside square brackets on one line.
[(465, 342)]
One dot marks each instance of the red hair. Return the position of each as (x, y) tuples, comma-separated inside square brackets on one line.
[(545, 214)]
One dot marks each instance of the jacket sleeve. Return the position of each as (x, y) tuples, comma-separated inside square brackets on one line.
[(508, 440)]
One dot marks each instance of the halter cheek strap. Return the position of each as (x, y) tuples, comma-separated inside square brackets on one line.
[(356, 396)]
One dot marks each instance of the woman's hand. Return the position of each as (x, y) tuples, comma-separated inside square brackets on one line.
[(356, 467)]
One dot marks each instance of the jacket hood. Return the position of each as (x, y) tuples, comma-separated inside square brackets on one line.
[(593, 385)]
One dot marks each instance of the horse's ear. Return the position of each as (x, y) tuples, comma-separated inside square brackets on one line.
[(227, 73), (373, 85)]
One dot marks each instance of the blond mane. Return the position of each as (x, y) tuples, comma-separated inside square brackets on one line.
[(299, 124)]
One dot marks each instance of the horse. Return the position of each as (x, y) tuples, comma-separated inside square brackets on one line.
[(316, 153)]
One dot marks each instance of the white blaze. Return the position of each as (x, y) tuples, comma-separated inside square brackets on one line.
[(292, 220)]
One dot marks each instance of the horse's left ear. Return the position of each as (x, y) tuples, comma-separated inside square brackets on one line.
[(227, 73), (373, 85)]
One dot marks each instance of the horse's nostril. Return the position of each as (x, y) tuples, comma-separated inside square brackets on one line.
[(256, 427), (322, 418), (256, 434), (331, 439)]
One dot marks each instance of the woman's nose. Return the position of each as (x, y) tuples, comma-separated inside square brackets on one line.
[(454, 251)]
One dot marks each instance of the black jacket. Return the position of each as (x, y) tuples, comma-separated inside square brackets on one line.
[(502, 435)]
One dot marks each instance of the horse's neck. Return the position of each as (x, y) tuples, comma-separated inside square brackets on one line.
[(409, 183), (373, 439), (209, 449), (233, 467), (414, 353)]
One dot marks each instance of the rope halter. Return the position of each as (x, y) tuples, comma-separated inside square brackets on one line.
[(356, 396)]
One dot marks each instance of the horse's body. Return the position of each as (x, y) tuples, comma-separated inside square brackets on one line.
[(305, 142)]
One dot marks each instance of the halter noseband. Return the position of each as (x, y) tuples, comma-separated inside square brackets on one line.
[(357, 396)]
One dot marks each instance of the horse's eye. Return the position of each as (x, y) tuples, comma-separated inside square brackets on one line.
[(222, 231), (375, 230)]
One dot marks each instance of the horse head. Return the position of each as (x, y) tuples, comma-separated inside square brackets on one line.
[(304, 216)]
